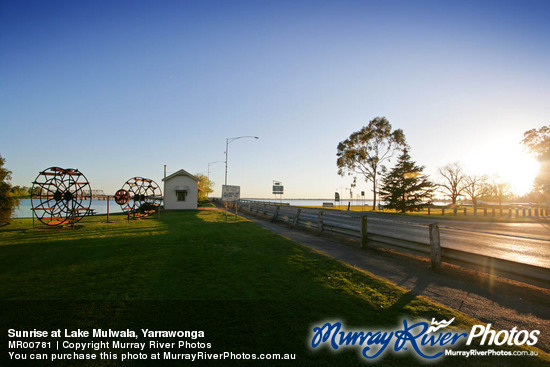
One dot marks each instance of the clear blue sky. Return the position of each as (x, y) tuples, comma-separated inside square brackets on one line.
[(120, 88)]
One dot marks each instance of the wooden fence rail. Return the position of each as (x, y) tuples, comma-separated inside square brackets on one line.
[(355, 225)]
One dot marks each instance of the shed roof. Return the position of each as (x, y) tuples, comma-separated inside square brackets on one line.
[(181, 172)]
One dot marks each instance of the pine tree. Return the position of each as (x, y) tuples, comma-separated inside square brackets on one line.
[(405, 187)]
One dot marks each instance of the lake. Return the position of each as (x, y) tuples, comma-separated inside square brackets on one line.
[(100, 206)]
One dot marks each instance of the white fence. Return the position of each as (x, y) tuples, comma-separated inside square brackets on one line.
[(421, 240)]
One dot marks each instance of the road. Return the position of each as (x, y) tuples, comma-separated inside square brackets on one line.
[(521, 242), (503, 304)]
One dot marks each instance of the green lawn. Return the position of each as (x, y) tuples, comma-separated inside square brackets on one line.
[(247, 288)]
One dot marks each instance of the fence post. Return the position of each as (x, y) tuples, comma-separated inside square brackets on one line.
[(484, 212), (465, 212), (275, 214), (455, 209), (493, 212), (364, 231), (536, 212), (435, 245), (428, 210), (295, 221), (320, 221), (475, 211), (442, 211)]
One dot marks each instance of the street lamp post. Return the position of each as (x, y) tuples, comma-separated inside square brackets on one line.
[(227, 141)]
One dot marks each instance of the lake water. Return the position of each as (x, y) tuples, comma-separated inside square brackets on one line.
[(315, 202), (100, 206), (319, 202)]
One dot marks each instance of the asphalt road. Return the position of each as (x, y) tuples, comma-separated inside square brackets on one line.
[(521, 242)]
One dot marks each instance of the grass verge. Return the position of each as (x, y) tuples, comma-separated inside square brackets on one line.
[(247, 288)]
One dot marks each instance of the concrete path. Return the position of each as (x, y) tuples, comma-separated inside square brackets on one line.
[(501, 302)]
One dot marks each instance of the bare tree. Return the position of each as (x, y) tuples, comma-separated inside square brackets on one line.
[(497, 190), (473, 187), (454, 180)]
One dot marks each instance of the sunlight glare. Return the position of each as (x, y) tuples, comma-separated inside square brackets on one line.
[(511, 165)]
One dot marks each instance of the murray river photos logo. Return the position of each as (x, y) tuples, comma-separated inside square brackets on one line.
[(426, 341)]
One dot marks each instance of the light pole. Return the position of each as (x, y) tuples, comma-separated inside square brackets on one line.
[(229, 140)]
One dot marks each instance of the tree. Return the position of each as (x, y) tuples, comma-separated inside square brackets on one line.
[(453, 180), (495, 189), (473, 187), (537, 141), (404, 187), (205, 187), (20, 191), (7, 201), (366, 151)]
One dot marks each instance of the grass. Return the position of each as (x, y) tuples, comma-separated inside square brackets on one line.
[(247, 288)]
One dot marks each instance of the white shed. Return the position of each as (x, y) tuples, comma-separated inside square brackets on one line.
[(181, 190)]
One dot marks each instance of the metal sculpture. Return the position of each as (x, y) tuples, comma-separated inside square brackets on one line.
[(139, 196), (60, 195)]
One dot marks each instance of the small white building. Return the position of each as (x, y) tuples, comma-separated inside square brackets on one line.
[(181, 191)]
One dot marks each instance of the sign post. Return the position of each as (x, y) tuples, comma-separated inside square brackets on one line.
[(230, 194), (278, 189)]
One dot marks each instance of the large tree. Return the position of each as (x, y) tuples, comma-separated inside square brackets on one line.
[(538, 143), (454, 180), (7, 201), (405, 187), (368, 150)]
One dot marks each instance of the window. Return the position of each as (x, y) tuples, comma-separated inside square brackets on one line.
[(181, 195)]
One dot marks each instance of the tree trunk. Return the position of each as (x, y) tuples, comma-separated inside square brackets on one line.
[(374, 192)]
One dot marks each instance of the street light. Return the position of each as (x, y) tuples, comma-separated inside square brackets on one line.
[(229, 140)]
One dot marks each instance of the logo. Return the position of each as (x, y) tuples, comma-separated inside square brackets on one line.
[(439, 325), (426, 341)]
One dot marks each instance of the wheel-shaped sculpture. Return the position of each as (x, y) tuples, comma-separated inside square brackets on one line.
[(139, 196), (60, 196)]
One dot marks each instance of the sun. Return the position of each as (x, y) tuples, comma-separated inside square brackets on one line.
[(509, 164), (520, 170)]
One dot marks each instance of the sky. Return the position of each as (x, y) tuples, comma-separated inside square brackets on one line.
[(118, 89)]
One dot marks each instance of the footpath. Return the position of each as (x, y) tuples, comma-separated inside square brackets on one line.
[(503, 303)]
